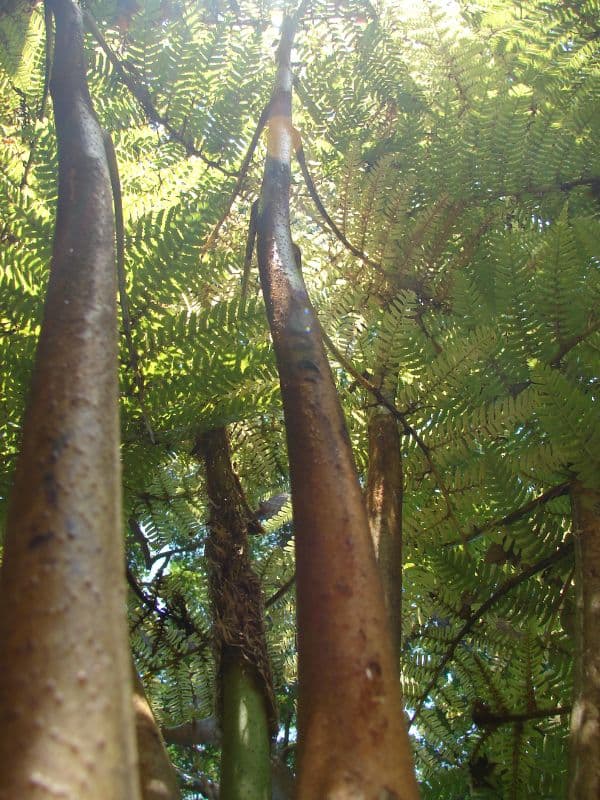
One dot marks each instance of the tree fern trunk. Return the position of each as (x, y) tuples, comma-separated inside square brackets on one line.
[(65, 692), (246, 698), (384, 507), (352, 739), (584, 783)]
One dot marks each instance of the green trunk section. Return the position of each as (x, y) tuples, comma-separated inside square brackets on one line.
[(246, 704), (245, 755)]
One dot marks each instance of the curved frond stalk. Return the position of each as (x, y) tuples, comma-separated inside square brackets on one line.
[(134, 361), (65, 694), (584, 780), (352, 738), (474, 618), (142, 95)]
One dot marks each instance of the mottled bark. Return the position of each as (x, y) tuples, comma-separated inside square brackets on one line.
[(65, 691), (352, 738), (584, 783), (158, 780), (384, 507), (246, 704)]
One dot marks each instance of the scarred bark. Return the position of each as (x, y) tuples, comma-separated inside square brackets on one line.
[(384, 507), (65, 692), (352, 738), (158, 779), (584, 783)]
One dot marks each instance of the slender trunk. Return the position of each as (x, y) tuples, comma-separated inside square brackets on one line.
[(384, 507), (584, 783), (65, 692), (352, 737), (246, 697), (158, 779)]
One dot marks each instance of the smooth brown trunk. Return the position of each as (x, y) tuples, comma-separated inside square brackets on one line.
[(66, 715), (384, 507), (352, 737), (199, 731), (584, 782), (158, 780)]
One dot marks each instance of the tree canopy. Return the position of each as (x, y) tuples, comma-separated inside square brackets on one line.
[(444, 199)]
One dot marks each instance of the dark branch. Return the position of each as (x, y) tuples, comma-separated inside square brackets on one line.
[(483, 717), (573, 342), (202, 785), (212, 238), (550, 494), (399, 281), (136, 532), (283, 590), (312, 190), (183, 622), (142, 95), (501, 592)]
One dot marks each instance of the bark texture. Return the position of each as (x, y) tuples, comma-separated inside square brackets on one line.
[(384, 507), (246, 702), (65, 694), (584, 783), (158, 779), (352, 738)]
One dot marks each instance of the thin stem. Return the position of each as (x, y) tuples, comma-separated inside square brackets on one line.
[(214, 234), (134, 360), (250, 241)]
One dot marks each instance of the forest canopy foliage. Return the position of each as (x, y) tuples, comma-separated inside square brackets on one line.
[(445, 202)]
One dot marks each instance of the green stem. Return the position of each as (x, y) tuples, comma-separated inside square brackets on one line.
[(245, 756)]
